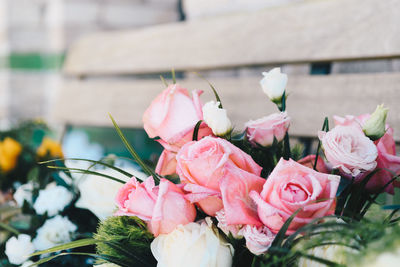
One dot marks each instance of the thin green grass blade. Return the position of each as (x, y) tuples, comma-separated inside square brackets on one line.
[(173, 76), (83, 171), (96, 162), (74, 244), (212, 88), (164, 81), (146, 168), (196, 130), (9, 228), (325, 127), (282, 232)]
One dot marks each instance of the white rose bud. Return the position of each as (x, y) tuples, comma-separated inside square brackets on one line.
[(216, 118), (52, 200), (195, 245), (375, 126), (274, 84), (24, 193), (19, 248)]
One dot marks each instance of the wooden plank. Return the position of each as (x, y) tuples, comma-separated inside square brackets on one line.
[(311, 98), (323, 30)]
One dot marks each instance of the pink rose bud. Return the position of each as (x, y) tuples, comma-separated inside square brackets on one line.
[(202, 164), (163, 207), (172, 116), (348, 149), (258, 239), (291, 186), (264, 130)]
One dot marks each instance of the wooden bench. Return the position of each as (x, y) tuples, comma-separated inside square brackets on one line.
[(117, 72)]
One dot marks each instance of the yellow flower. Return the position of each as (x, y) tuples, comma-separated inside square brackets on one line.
[(51, 148), (10, 150)]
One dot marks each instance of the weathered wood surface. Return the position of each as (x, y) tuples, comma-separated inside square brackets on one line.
[(311, 98), (308, 31)]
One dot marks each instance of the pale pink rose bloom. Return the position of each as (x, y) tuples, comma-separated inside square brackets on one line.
[(348, 149), (309, 161), (291, 186), (172, 116), (201, 166), (258, 239), (162, 207), (263, 131), (387, 161)]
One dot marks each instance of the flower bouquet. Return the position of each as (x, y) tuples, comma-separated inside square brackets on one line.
[(224, 198)]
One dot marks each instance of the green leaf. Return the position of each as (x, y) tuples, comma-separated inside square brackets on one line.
[(212, 88), (282, 232), (196, 130), (74, 244), (134, 154), (95, 162), (9, 228), (164, 81), (325, 127), (83, 171), (173, 76)]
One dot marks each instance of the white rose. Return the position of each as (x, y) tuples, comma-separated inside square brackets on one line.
[(98, 193), (24, 192), (195, 245), (55, 231), (52, 199), (274, 84), (216, 118), (19, 248)]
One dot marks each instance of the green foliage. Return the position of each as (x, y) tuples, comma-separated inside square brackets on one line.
[(125, 239)]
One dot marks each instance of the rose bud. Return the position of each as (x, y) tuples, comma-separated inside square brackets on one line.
[(264, 130), (216, 118), (274, 84), (375, 126)]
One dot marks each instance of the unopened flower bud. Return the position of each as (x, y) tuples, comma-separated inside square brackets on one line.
[(216, 118), (274, 84), (375, 126)]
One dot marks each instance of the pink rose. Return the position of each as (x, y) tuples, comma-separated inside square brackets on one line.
[(263, 131), (309, 161), (347, 148), (172, 116), (202, 164), (258, 239), (387, 161), (163, 207), (291, 186)]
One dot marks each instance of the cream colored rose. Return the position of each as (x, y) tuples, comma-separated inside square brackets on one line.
[(274, 84), (216, 118), (333, 253), (195, 245)]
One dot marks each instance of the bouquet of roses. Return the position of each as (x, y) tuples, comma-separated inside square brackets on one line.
[(223, 198)]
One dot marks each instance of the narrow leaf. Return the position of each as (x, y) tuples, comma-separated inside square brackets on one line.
[(74, 244), (196, 130), (83, 171), (145, 168), (164, 81), (282, 232), (9, 228), (325, 127), (173, 76), (212, 88)]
